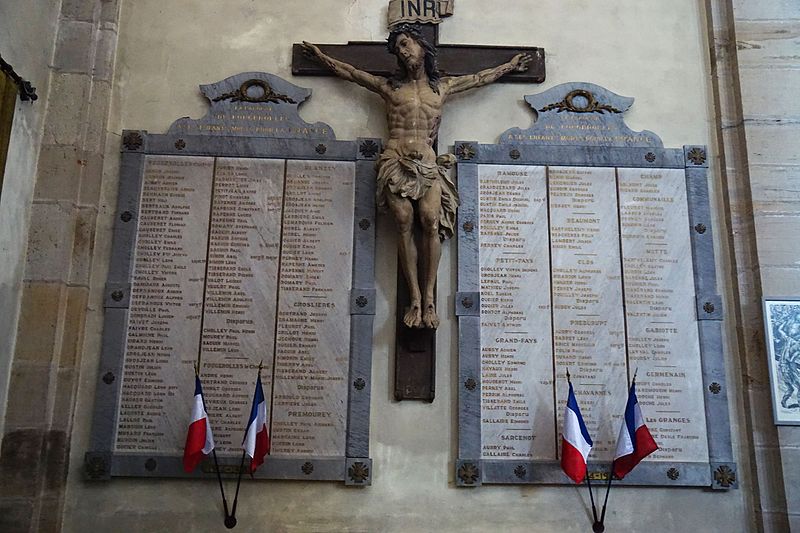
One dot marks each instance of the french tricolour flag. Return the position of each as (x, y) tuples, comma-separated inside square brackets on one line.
[(199, 439), (256, 437), (575, 442), (635, 442)]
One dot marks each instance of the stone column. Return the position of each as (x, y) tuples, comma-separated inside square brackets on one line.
[(38, 419), (755, 65)]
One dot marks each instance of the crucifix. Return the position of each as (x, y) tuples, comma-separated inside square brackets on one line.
[(413, 183)]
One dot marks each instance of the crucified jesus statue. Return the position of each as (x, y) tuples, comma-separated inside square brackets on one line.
[(411, 179)]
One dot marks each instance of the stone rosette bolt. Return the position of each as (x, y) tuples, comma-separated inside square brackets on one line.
[(470, 384), (96, 467), (108, 378), (697, 156), (700, 228), (358, 472), (725, 476), (465, 151), (468, 473), (364, 224), (673, 474), (514, 154), (715, 388), (126, 216), (708, 307), (362, 301), (133, 140), (467, 302), (468, 226), (650, 157), (321, 149), (359, 384), (117, 295), (307, 468), (369, 149), (180, 144)]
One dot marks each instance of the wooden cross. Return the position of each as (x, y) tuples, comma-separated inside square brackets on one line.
[(415, 349), (454, 59)]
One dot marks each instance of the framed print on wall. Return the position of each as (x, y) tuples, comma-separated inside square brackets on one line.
[(782, 325)]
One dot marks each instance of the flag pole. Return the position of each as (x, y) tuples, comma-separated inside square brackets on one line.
[(611, 470), (599, 526), (591, 497), (230, 522), (214, 451), (588, 481)]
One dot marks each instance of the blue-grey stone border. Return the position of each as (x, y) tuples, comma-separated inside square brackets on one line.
[(101, 462), (720, 473)]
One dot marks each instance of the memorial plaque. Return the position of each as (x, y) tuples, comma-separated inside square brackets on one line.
[(240, 253), (166, 303), (616, 278), (588, 317), (660, 310), (312, 342), (516, 361), (239, 312)]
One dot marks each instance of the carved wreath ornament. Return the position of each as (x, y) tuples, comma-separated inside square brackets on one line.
[(591, 105), (242, 94)]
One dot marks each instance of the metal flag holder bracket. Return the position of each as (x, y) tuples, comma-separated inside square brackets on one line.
[(27, 92)]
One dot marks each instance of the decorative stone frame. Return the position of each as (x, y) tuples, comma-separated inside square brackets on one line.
[(720, 471), (355, 467)]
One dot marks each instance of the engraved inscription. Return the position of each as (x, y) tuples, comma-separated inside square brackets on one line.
[(588, 321), (516, 360), (166, 304), (237, 262), (660, 306), (313, 321), (239, 323)]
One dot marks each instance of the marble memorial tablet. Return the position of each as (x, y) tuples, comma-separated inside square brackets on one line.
[(588, 317), (166, 306), (614, 294), (312, 342), (617, 280), (243, 245), (659, 305), (516, 365), (248, 261)]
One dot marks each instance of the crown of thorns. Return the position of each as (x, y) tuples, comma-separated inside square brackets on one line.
[(411, 30)]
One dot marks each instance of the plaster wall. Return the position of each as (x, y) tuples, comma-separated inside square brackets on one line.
[(655, 51), (27, 36)]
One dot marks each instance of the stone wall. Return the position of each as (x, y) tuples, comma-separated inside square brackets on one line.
[(26, 42), (765, 147), (56, 219)]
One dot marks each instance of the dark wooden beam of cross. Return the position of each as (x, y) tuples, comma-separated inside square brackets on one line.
[(415, 349), (454, 59)]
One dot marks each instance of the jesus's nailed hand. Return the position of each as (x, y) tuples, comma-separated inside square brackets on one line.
[(520, 62)]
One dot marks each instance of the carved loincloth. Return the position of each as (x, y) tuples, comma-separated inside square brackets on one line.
[(411, 178)]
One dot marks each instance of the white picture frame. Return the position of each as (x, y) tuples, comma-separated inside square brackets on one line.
[(782, 334)]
